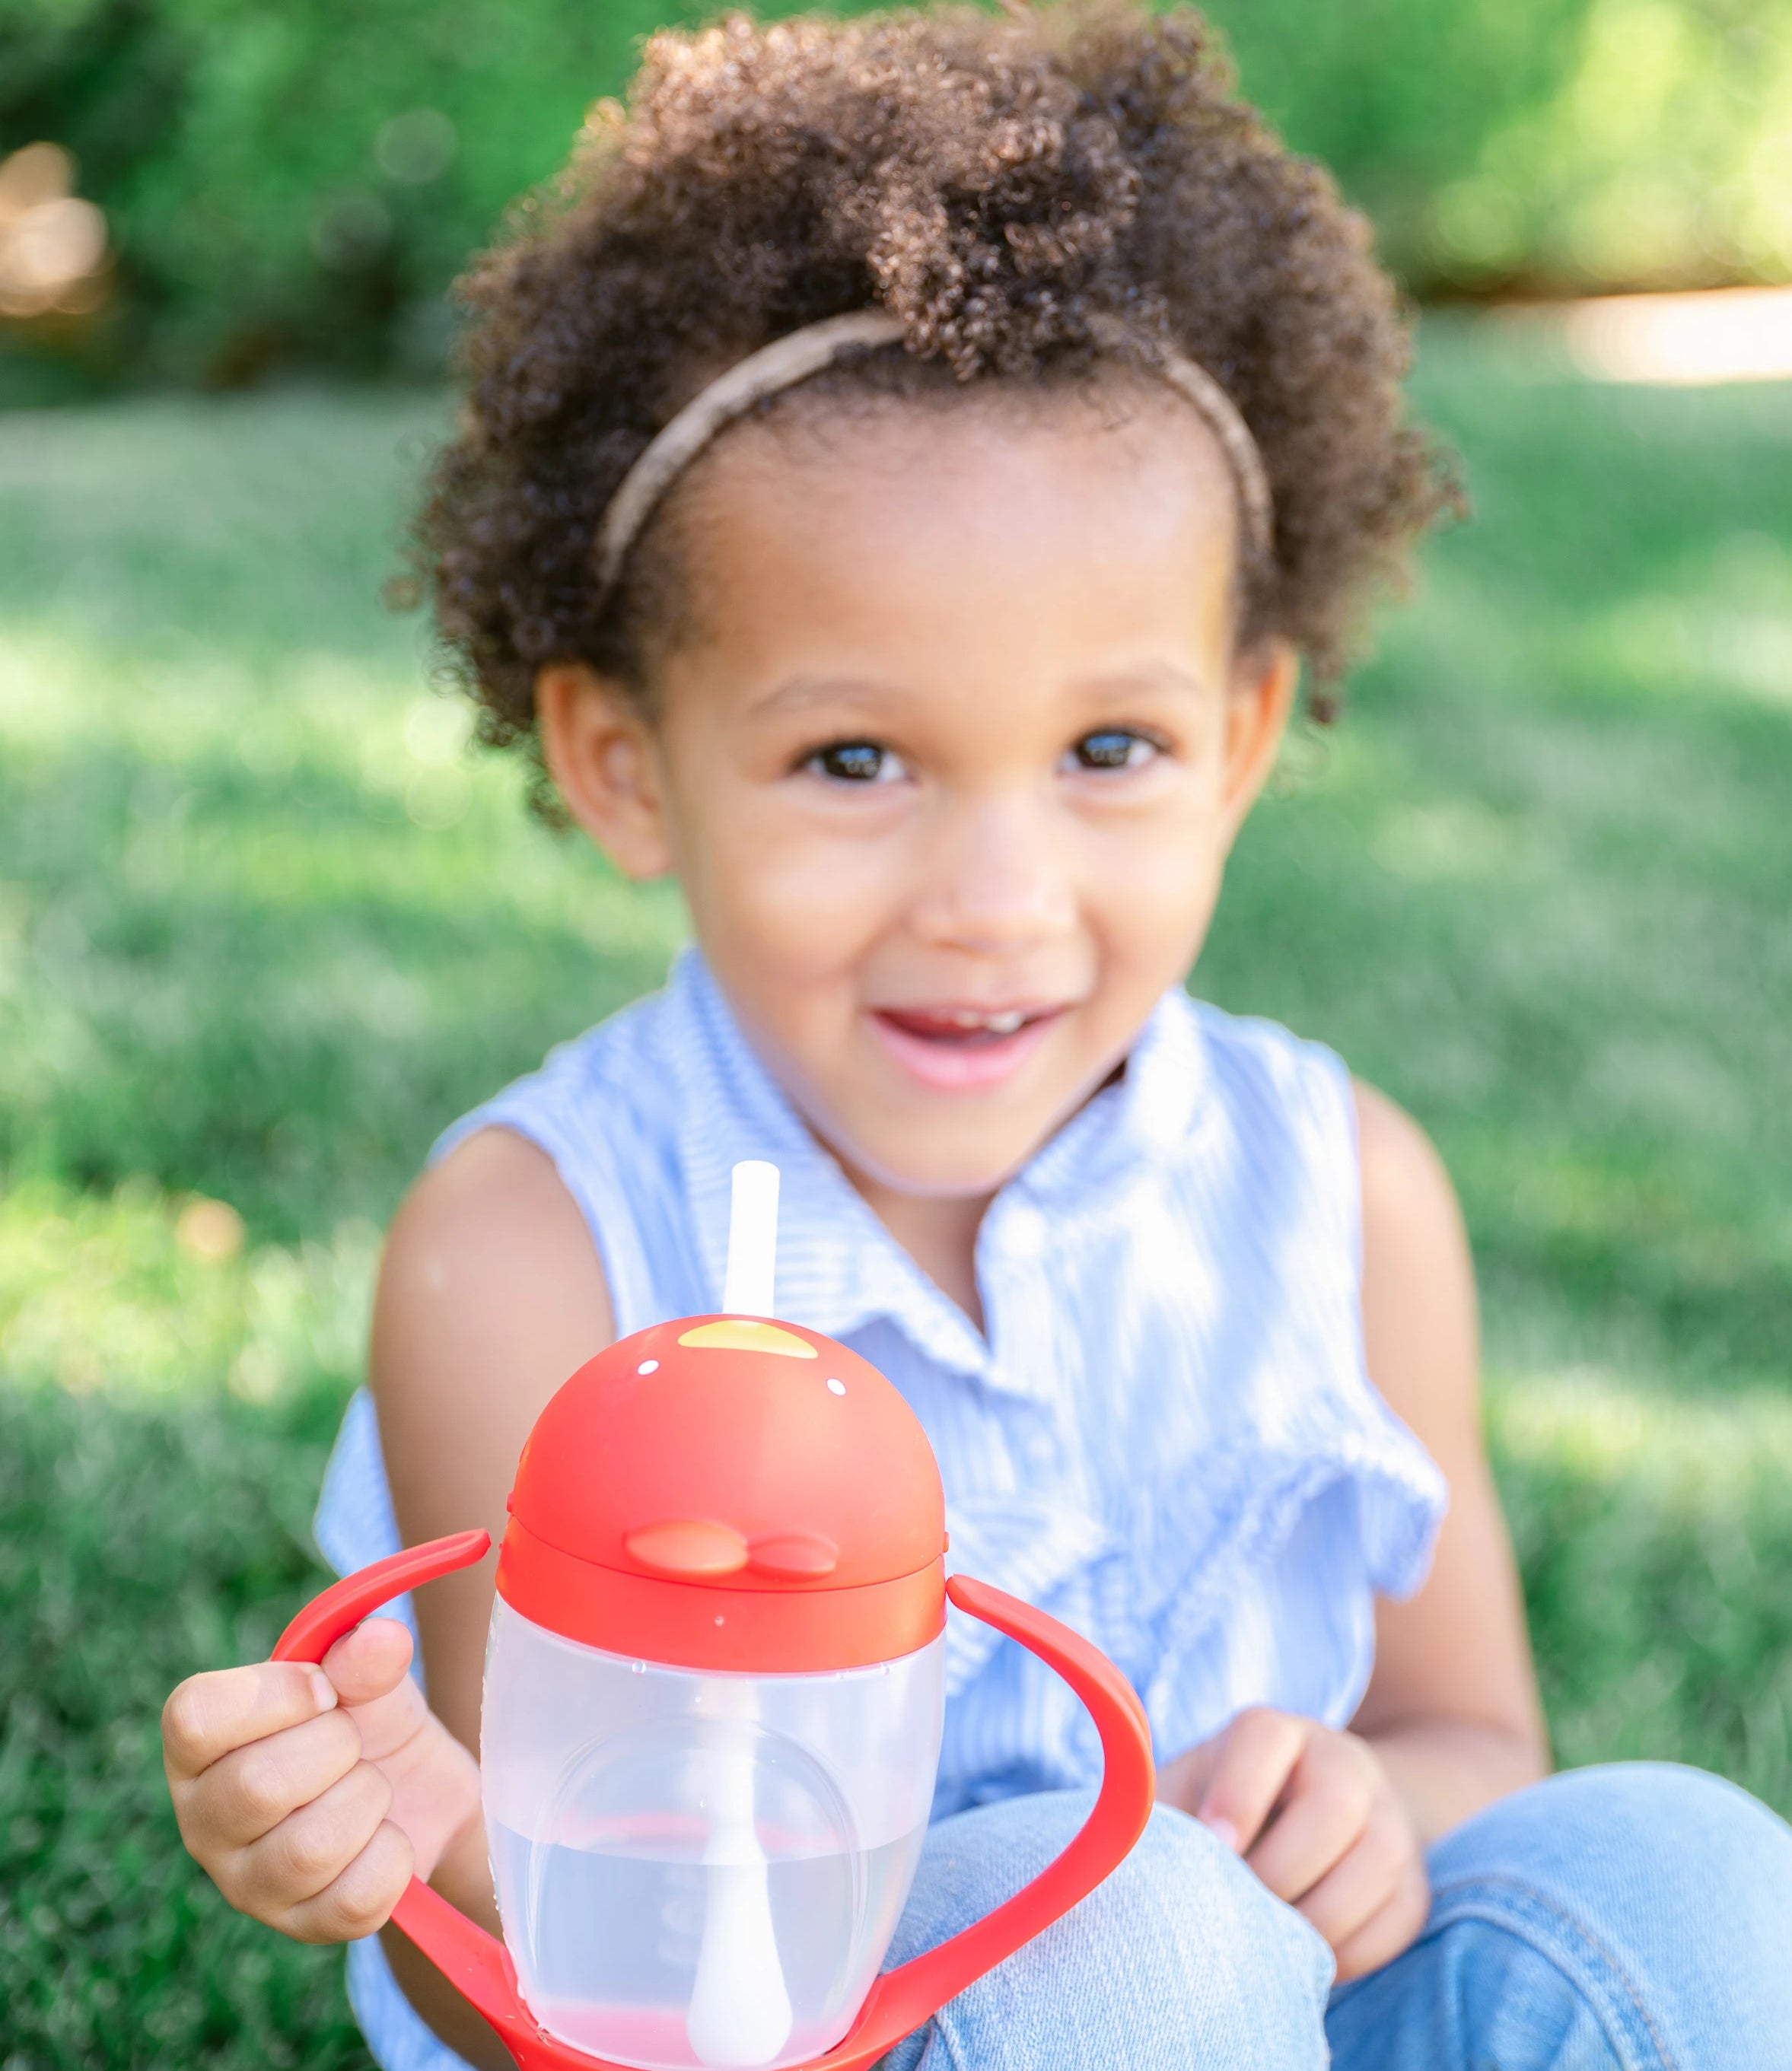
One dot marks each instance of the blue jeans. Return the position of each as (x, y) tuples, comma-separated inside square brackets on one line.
[(1632, 1916)]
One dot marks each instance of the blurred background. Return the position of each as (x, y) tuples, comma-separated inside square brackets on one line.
[(234, 188), (266, 925)]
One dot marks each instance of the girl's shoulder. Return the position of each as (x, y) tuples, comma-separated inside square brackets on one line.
[(608, 1106), (1240, 1103), (642, 1116), (1259, 1062)]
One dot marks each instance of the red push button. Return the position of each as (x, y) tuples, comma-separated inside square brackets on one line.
[(793, 1556), (689, 1547)]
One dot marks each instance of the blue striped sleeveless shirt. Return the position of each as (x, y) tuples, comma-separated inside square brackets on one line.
[(1165, 1434)]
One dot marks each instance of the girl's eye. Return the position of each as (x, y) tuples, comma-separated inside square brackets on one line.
[(856, 762), (1113, 747)]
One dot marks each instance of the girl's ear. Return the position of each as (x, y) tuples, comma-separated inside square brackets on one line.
[(1257, 708), (604, 759)]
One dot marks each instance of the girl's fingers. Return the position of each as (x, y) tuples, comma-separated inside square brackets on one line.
[(1385, 1934), (1181, 1779), (435, 1791), (369, 1663), (1255, 1759), (360, 1900), (1352, 1893), (1331, 1795), (248, 1793), (311, 1846), (209, 1716), (397, 1727)]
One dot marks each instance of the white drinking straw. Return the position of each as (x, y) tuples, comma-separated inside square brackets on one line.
[(739, 2014), (752, 1240)]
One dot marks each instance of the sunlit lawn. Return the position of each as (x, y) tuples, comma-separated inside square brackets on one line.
[(264, 929)]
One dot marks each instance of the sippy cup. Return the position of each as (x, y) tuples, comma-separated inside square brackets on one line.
[(714, 1690)]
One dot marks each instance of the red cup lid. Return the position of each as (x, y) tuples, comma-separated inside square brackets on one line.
[(727, 1457)]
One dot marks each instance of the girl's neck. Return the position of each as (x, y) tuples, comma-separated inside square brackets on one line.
[(938, 1233)]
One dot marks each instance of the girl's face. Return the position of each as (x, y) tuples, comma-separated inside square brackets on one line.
[(950, 769)]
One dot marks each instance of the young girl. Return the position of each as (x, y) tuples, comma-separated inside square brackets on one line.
[(901, 481)]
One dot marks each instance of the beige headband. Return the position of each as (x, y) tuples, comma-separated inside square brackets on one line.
[(798, 355)]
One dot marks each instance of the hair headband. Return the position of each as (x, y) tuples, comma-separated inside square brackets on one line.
[(794, 357)]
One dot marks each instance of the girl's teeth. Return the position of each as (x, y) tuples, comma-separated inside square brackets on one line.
[(993, 1025)]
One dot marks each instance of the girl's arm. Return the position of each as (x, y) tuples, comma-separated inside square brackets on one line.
[(1336, 1823), (491, 1295), (1452, 1708)]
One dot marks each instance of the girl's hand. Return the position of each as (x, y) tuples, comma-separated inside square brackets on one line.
[(310, 1795), (1313, 1813)]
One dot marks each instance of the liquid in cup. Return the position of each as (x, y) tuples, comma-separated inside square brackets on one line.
[(711, 1877)]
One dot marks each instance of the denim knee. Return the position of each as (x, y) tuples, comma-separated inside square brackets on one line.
[(1180, 1959), (1639, 1838), (1662, 1894)]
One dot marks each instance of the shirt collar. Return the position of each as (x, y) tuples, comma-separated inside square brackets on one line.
[(838, 1269)]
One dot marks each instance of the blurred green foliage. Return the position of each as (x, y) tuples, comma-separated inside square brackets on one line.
[(1542, 146), (265, 929), (298, 180)]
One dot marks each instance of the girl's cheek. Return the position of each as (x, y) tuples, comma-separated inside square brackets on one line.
[(807, 903), (1156, 902)]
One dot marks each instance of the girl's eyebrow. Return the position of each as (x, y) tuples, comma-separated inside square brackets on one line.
[(1122, 683), (799, 694)]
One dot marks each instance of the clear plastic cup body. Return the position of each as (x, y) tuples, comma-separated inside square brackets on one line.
[(700, 1869)]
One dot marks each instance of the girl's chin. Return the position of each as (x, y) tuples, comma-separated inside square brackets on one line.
[(939, 1171), (905, 1119), (958, 1142)]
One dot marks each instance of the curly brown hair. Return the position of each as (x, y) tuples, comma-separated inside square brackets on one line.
[(1007, 186)]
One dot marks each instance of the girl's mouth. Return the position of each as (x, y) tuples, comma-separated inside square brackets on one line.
[(953, 1048)]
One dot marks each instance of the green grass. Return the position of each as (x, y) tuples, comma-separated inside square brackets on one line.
[(264, 928)]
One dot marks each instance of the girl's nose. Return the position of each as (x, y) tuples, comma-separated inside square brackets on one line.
[(995, 877)]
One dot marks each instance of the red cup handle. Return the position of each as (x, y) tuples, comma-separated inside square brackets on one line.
[(472, 1961), (344, 1604), (479, 1968), (901, 2000)]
